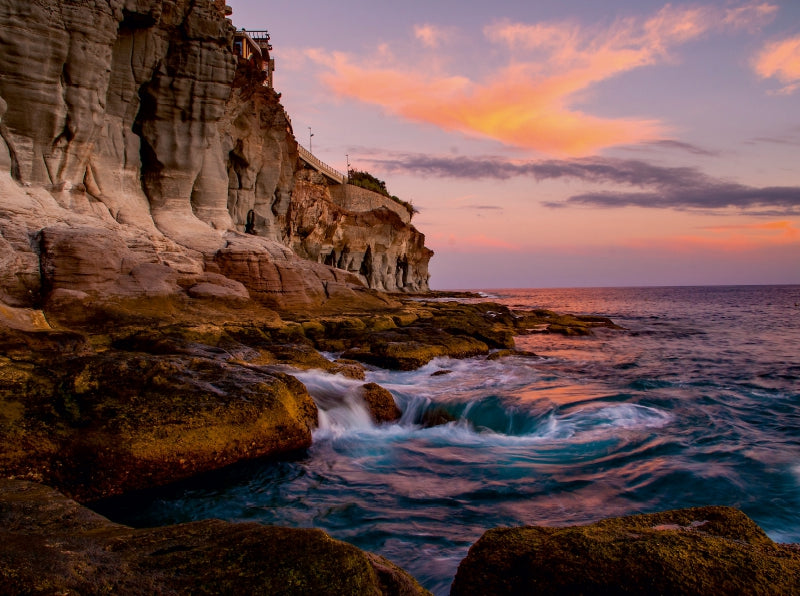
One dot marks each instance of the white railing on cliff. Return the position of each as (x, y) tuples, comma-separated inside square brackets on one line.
[(321, 166)]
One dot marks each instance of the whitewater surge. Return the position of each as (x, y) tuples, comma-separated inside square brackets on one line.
[(694, 404)]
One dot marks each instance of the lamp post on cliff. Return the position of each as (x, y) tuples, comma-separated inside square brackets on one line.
[(310, 134)]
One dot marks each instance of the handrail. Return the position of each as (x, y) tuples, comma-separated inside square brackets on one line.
[(321, 166)]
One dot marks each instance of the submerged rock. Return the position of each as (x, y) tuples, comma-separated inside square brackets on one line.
[(500, 354), (436, 417), (697, 551), (50, 544)]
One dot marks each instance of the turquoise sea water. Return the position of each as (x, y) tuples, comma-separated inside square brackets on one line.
[(696, 403)]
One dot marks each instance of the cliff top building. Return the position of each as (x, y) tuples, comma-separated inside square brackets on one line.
[(254, 45)]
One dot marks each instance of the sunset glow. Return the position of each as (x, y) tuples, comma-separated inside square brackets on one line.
[(603, 137)]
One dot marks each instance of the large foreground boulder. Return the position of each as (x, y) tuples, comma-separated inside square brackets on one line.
[(698, 551), (51, 545), (99, 424)]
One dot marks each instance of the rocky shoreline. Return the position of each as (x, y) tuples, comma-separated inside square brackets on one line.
[(98, 409), (167, 259), (210, 391)]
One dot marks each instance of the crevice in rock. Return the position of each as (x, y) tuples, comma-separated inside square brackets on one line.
[(12, 152), (150, 174), (345, 254), (366, 268), (401, 271), (237, 166)]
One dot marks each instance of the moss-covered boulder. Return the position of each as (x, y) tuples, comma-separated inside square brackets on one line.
[(413, 354), (51, 545), (698, 551), (108, 422)]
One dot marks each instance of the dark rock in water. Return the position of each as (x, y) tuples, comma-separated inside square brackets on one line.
[(381, 403), (441, 373), (547, 321), (506, 353), (436, 417), (49, 544), (698, 551)]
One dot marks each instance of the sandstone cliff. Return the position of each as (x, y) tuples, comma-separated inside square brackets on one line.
[(133, 147)]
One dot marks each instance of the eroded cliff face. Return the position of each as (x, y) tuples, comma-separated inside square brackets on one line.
[(133, 148), (385, 252), (302, 209)]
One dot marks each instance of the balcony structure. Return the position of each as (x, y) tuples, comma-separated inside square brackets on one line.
[(255, 46)]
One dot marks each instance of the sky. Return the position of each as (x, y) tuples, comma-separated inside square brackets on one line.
[(561, 143)]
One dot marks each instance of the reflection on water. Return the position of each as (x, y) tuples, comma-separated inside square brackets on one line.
[(695, 404)]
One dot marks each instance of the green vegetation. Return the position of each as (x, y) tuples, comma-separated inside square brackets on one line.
[(370, 182)]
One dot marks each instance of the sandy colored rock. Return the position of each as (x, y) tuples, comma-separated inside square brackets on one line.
[(132, 154), (698, 551), (50, 544)]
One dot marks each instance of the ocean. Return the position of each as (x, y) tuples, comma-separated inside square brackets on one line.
[(694, 403)]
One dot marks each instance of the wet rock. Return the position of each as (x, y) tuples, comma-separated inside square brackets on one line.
[(436, 417), (441, 373), (380, 403), (547, 321), (500, 354), (410, 355), (50, 544), (105, 423), (348, 368), (698, 551)]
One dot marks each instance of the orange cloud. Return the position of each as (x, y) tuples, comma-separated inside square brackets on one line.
[(528, 101), (781, 60), (736, 238), (789, 233)]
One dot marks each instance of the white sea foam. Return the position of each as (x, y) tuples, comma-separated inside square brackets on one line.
[(343, 412), (339, 401)]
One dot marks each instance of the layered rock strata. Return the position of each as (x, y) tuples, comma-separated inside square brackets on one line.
[(133, 150)]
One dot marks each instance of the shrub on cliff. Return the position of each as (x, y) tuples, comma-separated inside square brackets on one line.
[(370, 182)]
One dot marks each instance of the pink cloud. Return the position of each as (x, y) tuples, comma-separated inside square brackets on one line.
[(781, 60), (431, 36), (528, 101), (439, 241)]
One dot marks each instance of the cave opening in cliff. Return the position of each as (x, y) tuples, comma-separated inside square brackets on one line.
[(402, 271), (237, 166), (366, 268)]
